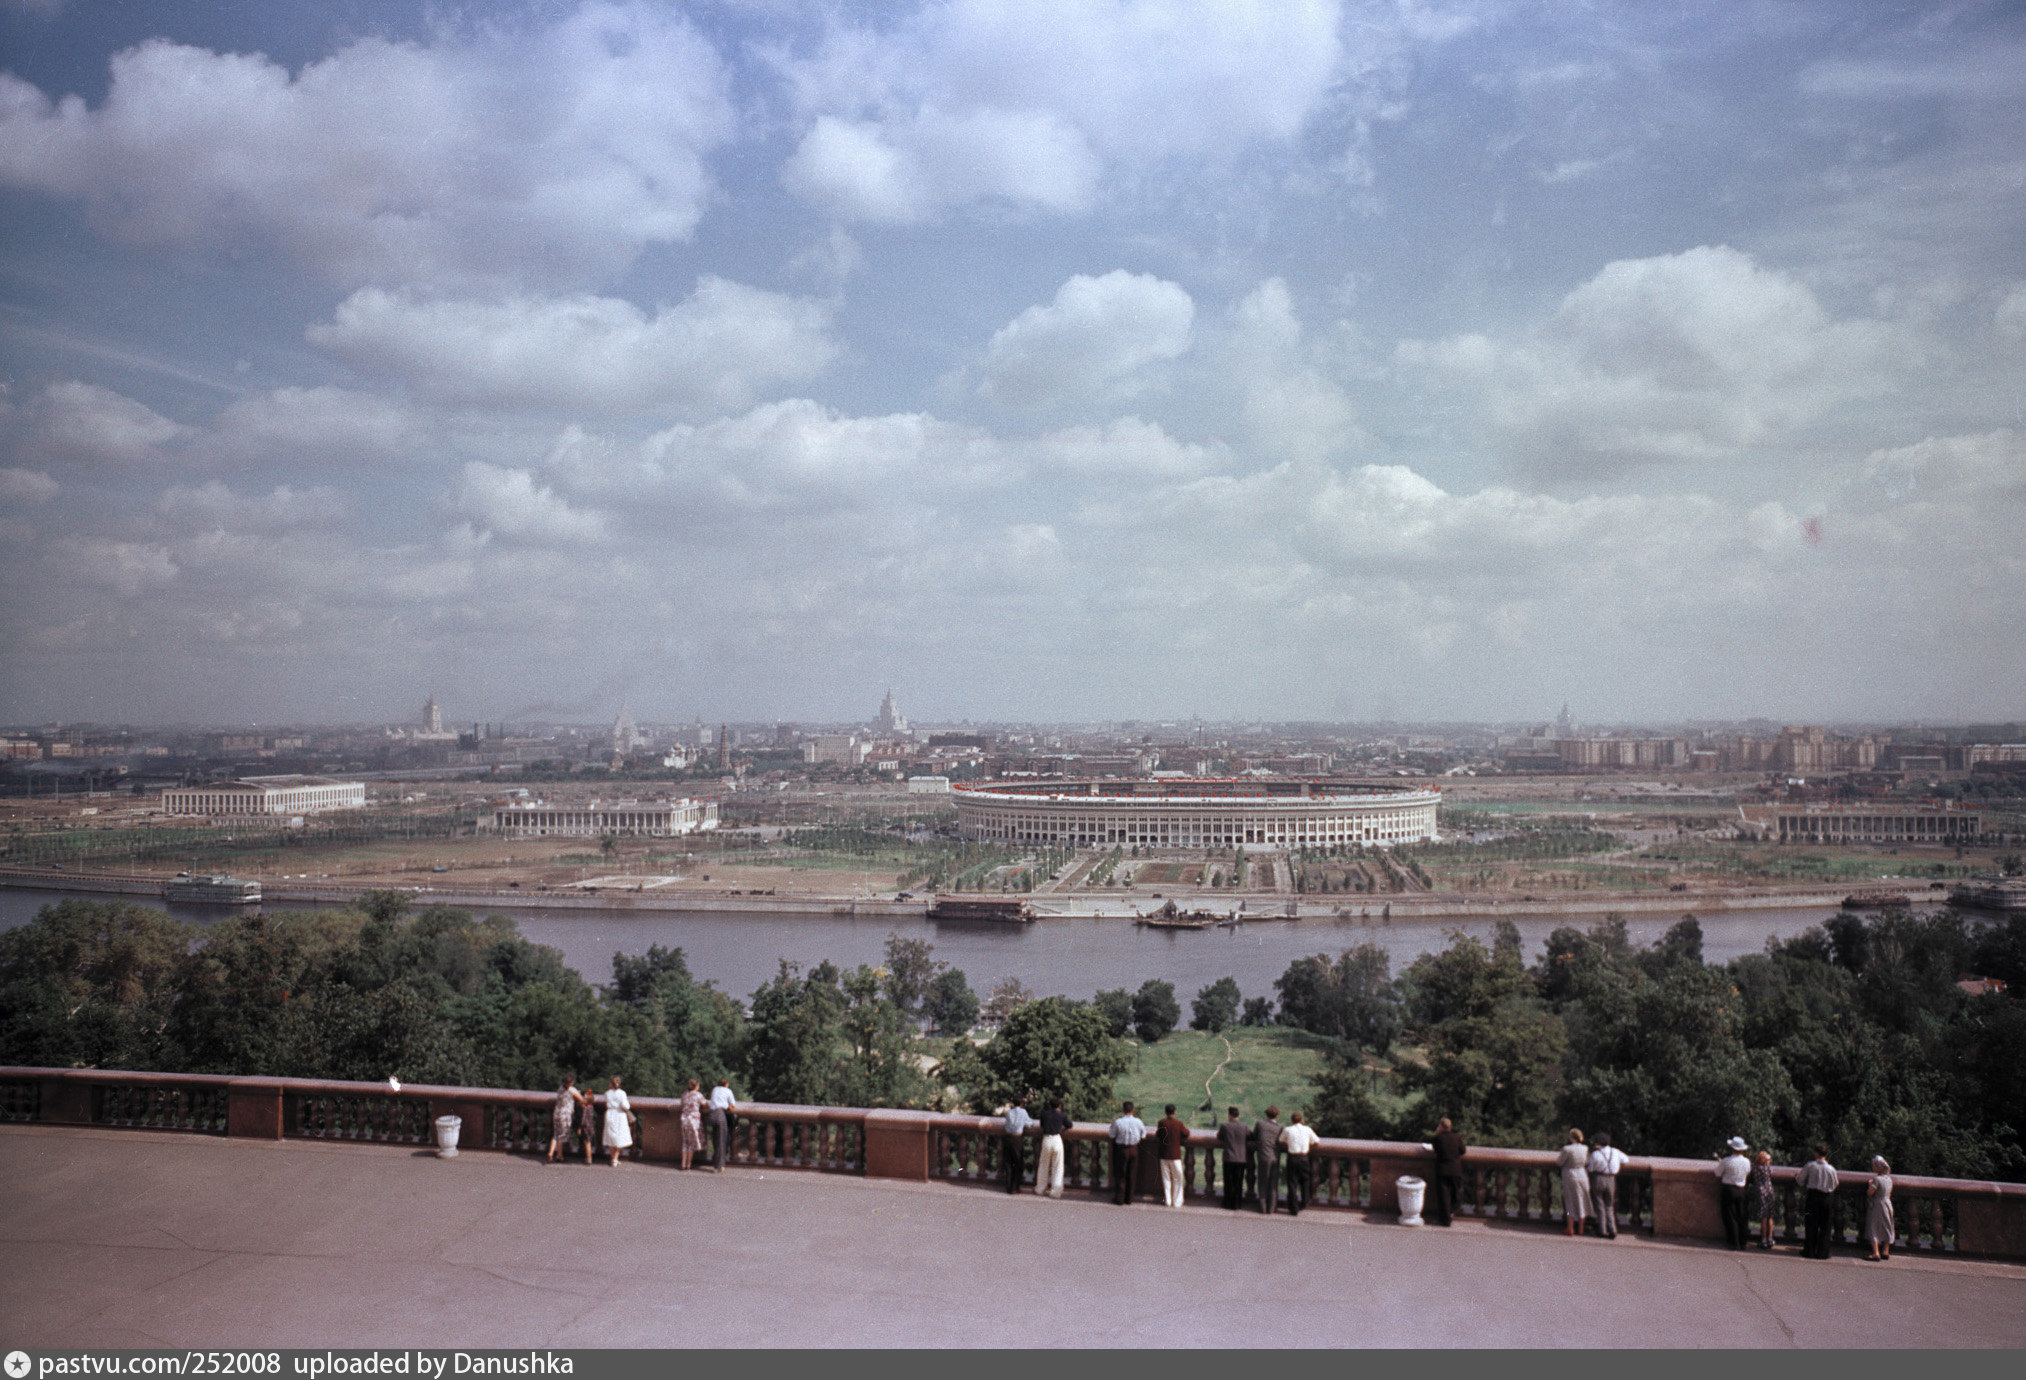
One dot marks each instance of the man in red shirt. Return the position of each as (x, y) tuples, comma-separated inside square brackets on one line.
[(1171, 1134)]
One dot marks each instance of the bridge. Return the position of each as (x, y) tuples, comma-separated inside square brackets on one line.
[(141, 1215)]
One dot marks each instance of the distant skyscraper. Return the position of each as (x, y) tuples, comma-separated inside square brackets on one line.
[(626, 735), (724, 747), (1565, 727), (889, 719), (432, 716)]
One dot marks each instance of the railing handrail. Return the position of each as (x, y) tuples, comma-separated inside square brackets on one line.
[(966, 1123)]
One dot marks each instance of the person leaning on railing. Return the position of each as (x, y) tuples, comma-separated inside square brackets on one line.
[(1266, 1149), (1818, 1183), (1574, 1162), (1126, 1134), (563, 1119), (1606, 1160), (1733, 1171), (1764, 1197), (1233, 1139), (1048, 1168), (1449, 1150), (1013, 1145), (721, 1109), (1299, 1140), (1171, 1137)]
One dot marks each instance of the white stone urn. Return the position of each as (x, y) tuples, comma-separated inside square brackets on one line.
[(1412, 1191), (447, 1128)]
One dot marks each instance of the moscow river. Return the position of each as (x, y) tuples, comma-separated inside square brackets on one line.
[(1075, 957)]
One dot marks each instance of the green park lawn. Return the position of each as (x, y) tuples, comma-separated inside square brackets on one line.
[(1269, 1067)]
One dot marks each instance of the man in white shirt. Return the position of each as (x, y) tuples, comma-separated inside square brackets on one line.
[(1014, 1143), (1126, 1134), (1297, 1139), (1606, 1160), (1731, 1172), (721, 1123), (1818, 1185)]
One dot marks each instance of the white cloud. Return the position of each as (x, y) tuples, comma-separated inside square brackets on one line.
[(2010, 318), (214, 505), (126, 567), (1688, 356), (1292, 408), (1985, 469), (26, 487), (82, 423), (552, 155), (325, 423), (975, 100), (1089, 344), (510, 503), (718, 349)]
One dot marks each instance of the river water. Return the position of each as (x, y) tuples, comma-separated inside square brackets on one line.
[(1075, 957)]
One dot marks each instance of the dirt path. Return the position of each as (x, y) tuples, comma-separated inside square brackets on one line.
[(1210, 1098)]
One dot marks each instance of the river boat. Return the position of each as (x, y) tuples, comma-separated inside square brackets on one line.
[(216, 889), (1006, 910), (1173, 917), (1990, 893), (1876, 900)]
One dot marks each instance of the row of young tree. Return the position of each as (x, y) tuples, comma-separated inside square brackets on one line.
[(1855, 1033)]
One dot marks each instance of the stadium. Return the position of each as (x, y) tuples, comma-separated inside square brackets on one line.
[(1197, 813)]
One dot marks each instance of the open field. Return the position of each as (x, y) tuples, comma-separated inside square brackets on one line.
[(1270, 1066)]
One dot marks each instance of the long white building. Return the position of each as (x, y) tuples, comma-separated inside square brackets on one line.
[(1197, 813), (594, 819), (265, 795)]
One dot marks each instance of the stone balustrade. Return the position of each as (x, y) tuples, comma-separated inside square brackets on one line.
[(1664, 1197)]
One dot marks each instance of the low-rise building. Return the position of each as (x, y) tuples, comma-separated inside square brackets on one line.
[(1869, 822), (265, 795), (595, 819)]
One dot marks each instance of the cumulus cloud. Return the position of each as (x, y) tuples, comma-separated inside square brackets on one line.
[(82, 423), (1091, 343), (718, 349), (1680, 357), (972, 100), (323, 423), (214, 505), (510, 503), (555, 154), (26, 487)]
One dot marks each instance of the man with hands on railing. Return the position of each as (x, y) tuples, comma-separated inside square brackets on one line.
[(1126, 1134), (1235, 1141), (1172, 1135), (1448, 1148), (1048, 1168), (1818, 1182), (1013, 1144), (1266, 1145)]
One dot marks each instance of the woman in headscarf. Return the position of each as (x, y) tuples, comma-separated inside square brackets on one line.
[(1878, 1224)]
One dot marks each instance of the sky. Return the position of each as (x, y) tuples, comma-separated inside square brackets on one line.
[(1042, 361)]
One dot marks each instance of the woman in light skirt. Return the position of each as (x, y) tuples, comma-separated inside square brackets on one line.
[(1574, 1162), (1879, 1231), (618, 1112), (563, 1117)]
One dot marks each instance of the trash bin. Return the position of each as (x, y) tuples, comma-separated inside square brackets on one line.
[(1411, 1191), (447, 1128)]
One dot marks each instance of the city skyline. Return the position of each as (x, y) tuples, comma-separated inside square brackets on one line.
[(1315, 362)]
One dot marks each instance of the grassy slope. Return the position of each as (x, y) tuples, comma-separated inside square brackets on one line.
[(1270, 1066)]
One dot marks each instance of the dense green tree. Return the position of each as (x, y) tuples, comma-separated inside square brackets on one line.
[(1215, 1008), (1115, 1004), (703, 1028), (1351, 997), (951, 1007), (1050, 1047), (92, 985), (792, 1040), (1258, 1011), (1492, 1051), (910, 972), (1345, 1102), (1155, 1010)]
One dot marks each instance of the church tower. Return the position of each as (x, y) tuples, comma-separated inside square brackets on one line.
[(432, 715)]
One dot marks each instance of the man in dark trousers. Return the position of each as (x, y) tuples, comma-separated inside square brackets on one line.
[(1126, 1134), (1014, 1143), (1818, 1184), (1232, 1139), (1448, 1147), (1267, 1157)]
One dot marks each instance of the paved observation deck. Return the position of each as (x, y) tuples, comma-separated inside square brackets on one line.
[(108, 1237)]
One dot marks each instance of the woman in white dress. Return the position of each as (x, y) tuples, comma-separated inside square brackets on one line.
[(618, 1113), (1574, 1162)]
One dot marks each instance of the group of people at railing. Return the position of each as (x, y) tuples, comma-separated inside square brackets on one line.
[(577, 1115), (1748, 1191)]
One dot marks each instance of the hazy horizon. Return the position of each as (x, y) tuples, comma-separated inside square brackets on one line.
[(1397, 362)]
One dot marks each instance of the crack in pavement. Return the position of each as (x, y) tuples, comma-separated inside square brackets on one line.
[(1752, 1287)]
